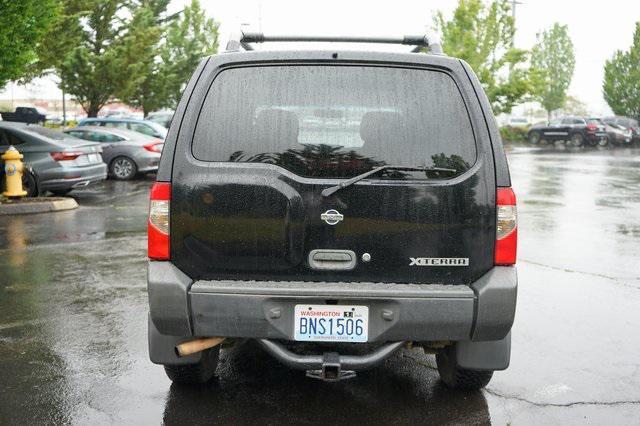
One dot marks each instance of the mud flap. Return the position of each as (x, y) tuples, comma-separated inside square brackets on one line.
[(488, 355), (162, 348)]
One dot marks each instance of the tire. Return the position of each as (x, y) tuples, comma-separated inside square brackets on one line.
[(193, 374), (60, 192), (534, 138), (577, 139), (30, 184), (123, 168), (603, 141), (459, 378)]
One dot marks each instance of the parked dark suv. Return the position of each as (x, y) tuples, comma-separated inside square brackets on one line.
[(578, 131), (360, 200)]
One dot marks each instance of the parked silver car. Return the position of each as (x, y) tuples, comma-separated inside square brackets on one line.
[(626, 123), (125, 152), (162, 118), (55, 161), (141, 126)]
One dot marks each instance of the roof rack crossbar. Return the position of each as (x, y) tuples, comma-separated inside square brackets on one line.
[(419, 41)]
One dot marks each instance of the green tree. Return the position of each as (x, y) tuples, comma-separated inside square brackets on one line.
[(141, 47), (188, 39), (167, 49), (621, 86), (100, 65), (23, 24), (574, 106), (482, 35), (553, 56), (61, 37)]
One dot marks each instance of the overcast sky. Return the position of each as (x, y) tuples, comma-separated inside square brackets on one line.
[(596, 28)]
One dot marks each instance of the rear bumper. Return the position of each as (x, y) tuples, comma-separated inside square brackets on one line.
[(595, 137), (147, 162), (69, 178), (482, 311)]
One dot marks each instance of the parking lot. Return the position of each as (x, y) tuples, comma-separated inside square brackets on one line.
[(73, 331)]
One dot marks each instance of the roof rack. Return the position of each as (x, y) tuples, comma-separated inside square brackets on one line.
[(244, 40)]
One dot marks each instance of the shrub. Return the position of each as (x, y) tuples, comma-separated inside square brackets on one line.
[(70, 123), (6, 106), (513, 134)]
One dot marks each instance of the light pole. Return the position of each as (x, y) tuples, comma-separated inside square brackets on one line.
[(514, 3), (64, 109), (64, 99)]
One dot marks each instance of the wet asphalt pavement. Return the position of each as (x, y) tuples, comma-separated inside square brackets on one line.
[(73, 312)]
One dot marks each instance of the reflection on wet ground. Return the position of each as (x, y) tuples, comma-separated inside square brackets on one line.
[(574, 346), (253, 388), (73, 321)]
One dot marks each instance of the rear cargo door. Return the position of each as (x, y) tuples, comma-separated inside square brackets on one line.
[(247, 203)]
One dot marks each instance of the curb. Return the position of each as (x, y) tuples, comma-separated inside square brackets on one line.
[(45, 206)]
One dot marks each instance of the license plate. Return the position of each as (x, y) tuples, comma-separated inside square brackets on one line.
[(331, 323)]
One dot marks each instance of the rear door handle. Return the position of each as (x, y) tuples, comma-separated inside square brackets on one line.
[(332, 260)]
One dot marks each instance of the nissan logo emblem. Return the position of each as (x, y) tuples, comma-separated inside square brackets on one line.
[(332, 217)]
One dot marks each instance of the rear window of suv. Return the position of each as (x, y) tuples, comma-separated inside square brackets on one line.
[(335, 121)]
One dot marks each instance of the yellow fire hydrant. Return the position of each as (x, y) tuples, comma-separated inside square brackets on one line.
[(13, 169)]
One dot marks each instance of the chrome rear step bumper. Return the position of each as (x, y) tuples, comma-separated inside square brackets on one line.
[(329, 366)]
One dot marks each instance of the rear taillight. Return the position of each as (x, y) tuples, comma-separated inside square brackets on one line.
[(154, 146), (158, 224), (65, 156), (506, 227), (592, 127)]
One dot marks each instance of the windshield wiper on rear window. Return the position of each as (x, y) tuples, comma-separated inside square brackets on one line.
[(332, 189)]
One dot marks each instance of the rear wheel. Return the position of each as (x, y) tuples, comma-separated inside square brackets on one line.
[(123, 168), (577, 139), (199, 373), (459, 378), (603, 141), (534, 138), (30, 184)]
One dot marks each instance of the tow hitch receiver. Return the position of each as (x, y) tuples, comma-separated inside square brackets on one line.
[(331, 370), (330, 366)]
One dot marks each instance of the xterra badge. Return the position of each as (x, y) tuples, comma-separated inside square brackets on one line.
[(439, 261), (332, 217)]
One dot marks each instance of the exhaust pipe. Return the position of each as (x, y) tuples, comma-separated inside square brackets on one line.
[(194, 346)]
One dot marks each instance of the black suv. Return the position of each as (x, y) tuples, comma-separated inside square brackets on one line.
[(357, 199), (578, 131)]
